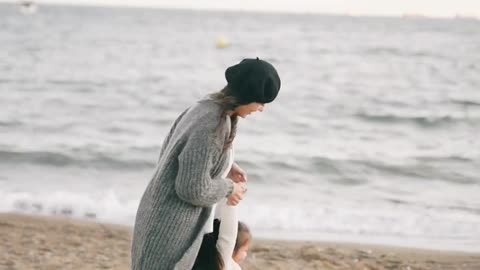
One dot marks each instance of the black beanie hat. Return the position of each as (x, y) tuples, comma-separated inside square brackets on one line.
[(253, 80)]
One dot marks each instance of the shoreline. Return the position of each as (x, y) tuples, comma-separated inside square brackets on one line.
[(41, 242)]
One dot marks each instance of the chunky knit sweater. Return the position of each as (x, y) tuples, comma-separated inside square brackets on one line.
[(176, 205)]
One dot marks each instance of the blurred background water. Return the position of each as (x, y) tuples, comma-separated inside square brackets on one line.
[(374, 137)]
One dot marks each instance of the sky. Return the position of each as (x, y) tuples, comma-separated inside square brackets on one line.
[(432, 8)]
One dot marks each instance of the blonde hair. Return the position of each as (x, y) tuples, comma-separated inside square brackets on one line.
[(243, 236)]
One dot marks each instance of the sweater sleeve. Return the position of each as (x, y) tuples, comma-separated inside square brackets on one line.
[(193, 183)]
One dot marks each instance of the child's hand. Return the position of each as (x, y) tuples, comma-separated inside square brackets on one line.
[(239, 190)]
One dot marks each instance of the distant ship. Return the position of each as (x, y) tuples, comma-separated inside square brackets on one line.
[(28, 7)]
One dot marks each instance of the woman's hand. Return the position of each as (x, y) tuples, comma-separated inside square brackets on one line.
[(237, 174), (239, 190)]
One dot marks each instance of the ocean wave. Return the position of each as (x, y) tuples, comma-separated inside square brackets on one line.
[(325, 165), (77, 82), (390, 219), (449, 168), (427, 171), (282, 165), (445, 159), (464, 102), (387, 223), (392, 51), (383, 50), (345, 219), (105, 208), (393, 220), (423, 121), (10, 123), (94, 160)]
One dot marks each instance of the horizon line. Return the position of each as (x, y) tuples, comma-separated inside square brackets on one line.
[(409, 15)]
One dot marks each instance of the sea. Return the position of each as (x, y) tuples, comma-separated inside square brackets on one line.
[(374, 137)]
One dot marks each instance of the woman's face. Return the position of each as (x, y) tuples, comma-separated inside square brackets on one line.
[(244, 110), (241, 253)]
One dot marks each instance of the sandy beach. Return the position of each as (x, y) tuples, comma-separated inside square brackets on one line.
[(57, 243), (373, 137)]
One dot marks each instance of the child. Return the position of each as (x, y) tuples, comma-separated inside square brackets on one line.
[(227, 245)]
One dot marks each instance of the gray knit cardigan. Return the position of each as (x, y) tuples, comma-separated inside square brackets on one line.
[(173, 211)]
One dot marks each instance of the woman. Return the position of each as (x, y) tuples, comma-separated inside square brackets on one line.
[(173, 212)]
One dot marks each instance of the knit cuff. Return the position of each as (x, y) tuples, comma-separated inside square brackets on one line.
[(229, 187)]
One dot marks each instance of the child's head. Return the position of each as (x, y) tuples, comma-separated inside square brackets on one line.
[(244, 238)]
